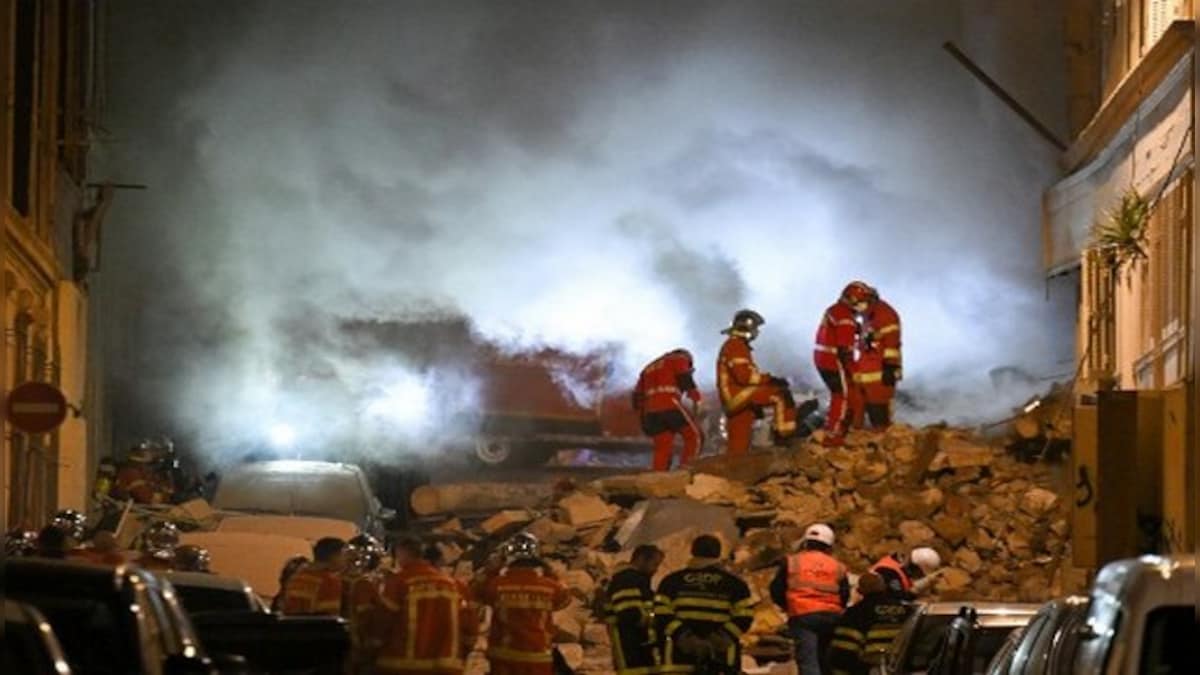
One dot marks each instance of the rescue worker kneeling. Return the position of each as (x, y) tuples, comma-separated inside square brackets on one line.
[(629, 612), (701, 613), (863, 636), (813, 588), (423, 625), (746, 391), (523, 598), (909, 578)]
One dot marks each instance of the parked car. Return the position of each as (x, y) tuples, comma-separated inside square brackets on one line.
[(230, 618), (925, 630), (110, 619), (30, 646), (1141, 618), (330, 490), (1046, 646), (202, 592)]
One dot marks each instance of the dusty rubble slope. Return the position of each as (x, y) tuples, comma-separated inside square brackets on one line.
[(999, 526)]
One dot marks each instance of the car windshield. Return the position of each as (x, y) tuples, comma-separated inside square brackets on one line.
[(929, 632), (91, 631), (1168, 645), (197, 599), (272, 489)]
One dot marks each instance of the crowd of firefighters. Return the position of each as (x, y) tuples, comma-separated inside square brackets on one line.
[(857, 353), (408, 614)]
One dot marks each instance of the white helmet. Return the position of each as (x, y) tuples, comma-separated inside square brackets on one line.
[(926, 558), (819, 532)]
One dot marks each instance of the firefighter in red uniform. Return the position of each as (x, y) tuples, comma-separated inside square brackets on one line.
[(882, 325), (423, 625), (834, 355), (745, 390), (813, 587), (658, 401), (523, 598), (362, 583), (869, 397), (137, 478), (317, 588)]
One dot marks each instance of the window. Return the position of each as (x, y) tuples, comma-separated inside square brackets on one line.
[(1168, 643), (1101, 344), (24, 91)]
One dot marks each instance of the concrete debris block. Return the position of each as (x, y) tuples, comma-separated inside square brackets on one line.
[(823, 489), (568, 623), (958, 453), (572, 654), (868, 528), (904, 454), (662, 518), (803, 510), (915, 533), (968, 560), (580, 583), (1060, 527), (197, 511), (842, 459), (953, 580), (549, 531), (505, 520), (951, 529), (1018, 543), (768, 618), (451, 552), (980, 540), (1039, 502), (648, 485), (586, 509), (429, 500), (712, 489), (870, 471), (596, 634), (452, 526)]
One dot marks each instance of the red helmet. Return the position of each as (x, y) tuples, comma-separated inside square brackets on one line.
[(858, 295)]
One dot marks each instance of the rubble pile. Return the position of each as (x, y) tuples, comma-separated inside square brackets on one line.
[(1000, 527)]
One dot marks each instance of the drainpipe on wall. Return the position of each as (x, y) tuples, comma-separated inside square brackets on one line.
[(1193, 441)]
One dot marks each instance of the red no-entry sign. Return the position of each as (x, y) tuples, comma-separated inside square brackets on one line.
[(35, 407)]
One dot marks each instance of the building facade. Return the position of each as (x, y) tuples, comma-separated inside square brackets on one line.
[(50, 219), (1121, 222)]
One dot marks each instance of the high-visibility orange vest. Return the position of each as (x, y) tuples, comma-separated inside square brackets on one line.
[(814, 583), (421, 622), (889, 563)]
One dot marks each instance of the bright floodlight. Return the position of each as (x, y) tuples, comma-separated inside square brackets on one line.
[(281, 435)]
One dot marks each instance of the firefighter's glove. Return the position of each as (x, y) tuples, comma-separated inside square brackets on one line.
[(890, 375)]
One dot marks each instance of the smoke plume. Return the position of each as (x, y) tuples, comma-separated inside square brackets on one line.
[(576, 175)]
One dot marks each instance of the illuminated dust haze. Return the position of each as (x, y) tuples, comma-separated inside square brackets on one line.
[(577, 175)]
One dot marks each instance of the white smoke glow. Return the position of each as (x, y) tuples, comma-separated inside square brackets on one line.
[(582, 176)]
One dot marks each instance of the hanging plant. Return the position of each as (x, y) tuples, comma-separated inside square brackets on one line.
[(1121, 236)]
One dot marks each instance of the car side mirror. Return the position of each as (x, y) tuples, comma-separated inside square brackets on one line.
[(181, 664)]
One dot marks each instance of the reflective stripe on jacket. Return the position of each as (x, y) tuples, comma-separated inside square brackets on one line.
[(737, 374), (523, 602), (421, 622), (835, 336), (313, 591)]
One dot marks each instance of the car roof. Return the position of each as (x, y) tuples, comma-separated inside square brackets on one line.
[(983, 608), (19, 612), (293, 466), (1137, 579), (206, 580), (49, 573)]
